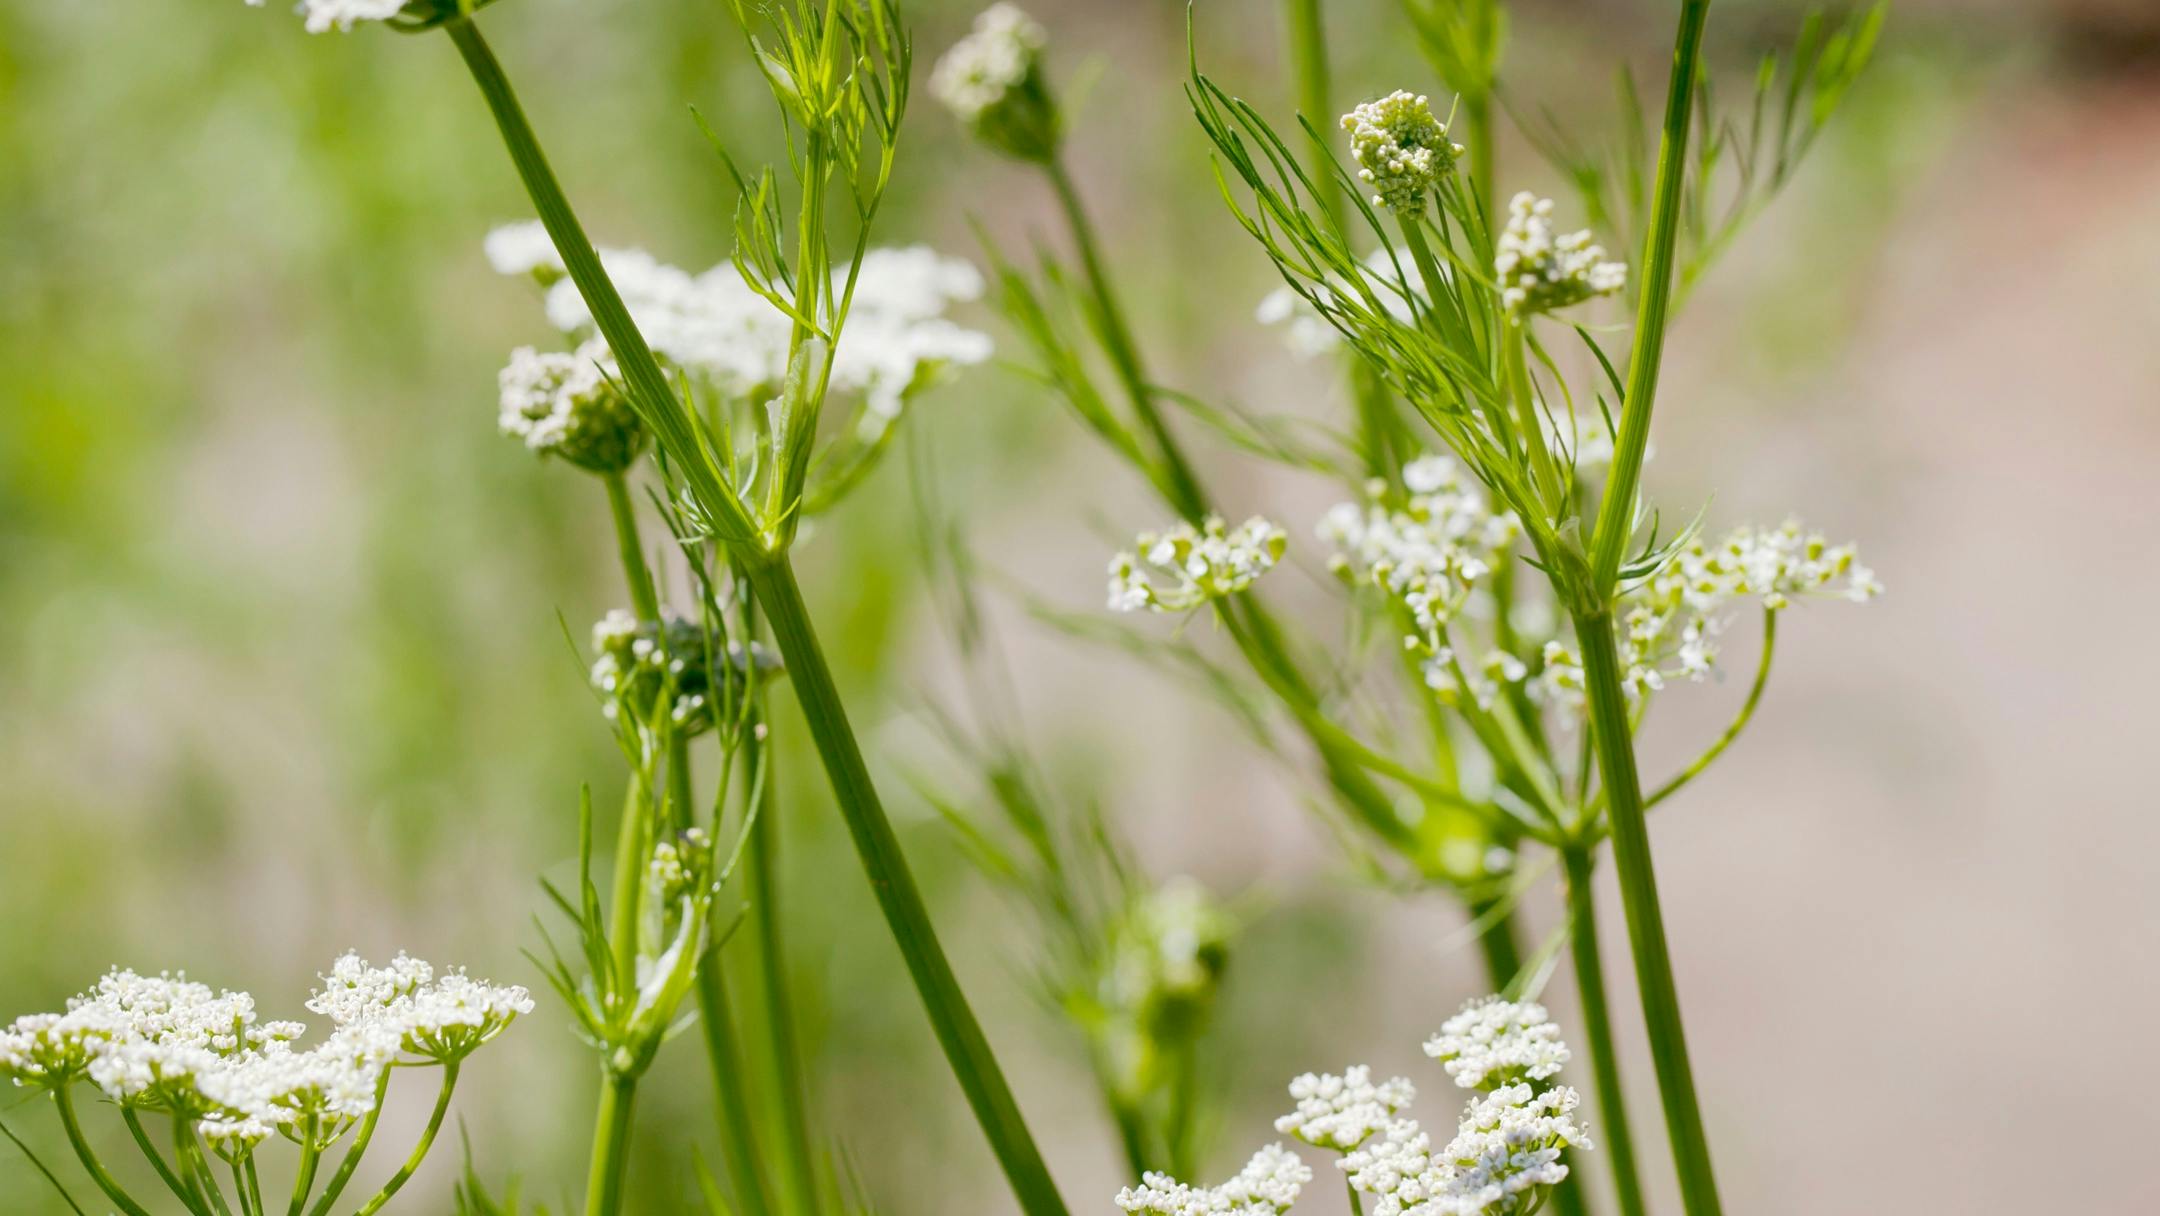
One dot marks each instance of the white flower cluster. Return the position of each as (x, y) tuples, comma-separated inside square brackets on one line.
[(1540, 272), (571, 405), (1203, 564), (1505, 1154), (1674, 616), (1507, 1148), (341, 15), (1342, 1112), (167, 1043), (1428, 554), (982, 69), (1402, 151), (1267, 1186), (1494, 1041), (524, 249), (735, 342)]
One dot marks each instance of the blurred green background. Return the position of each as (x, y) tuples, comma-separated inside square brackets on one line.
[(283, 674)]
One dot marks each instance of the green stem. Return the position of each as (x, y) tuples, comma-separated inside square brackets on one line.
[(354, 1151), (1309, 62), (1179, 483), (643, 598), (611, 1145), (1516, 373), (420, 1150), (96, 1169), (738, 1135), (1615, 1139), (1499, 945), (631, 848), (797, 1170), (1739, 722), (1645, 919), (157, 1160), (310, 1157), (248, 1207), (254, 1188), (1616, 514), (976, 1068), (188, 1154), (1484, 164)]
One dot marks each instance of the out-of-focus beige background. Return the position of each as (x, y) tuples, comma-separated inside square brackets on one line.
[(281, 671)]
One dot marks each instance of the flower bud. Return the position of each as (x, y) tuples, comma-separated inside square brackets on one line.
[(992, 80)]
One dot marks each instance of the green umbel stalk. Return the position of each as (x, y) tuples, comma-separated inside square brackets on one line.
[(1616, 1141), (611, 1146), (968, 1051), (95, 1168), (1601, 661)]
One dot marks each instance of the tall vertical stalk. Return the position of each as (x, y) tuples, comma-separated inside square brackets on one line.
[(780, 598), (1609, 722), (796, 1172), (773, 580), (611, 1145), (1617, 1139)]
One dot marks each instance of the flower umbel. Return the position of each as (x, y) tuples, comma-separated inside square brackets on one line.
[(1202, 564), (1267, 1186), (1541, 272), (571, 406), (1494, 1042), (1402, 151), (992, 81)]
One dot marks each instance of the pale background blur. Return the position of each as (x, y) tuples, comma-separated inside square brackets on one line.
[(282, 673)]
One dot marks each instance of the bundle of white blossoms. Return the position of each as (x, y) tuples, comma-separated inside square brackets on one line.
[(735, 342), (1201, 564), (1541, 272), (1428, 554), (570, 404), (1402, 151), (1506, 1153), (166, 1043), (1674, 616), (984, 68), (1267, 1186)]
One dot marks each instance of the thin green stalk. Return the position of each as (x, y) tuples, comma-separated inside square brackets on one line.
[(1181, 485), (723, 1051), (354, 1151), (248, 1207), (674, 428), (1615, 1140), (420, 1150), (797, 1166), (254, 1188), (1592, 611), (165, 1173), (643, 597), (1616, 514), (45, 1171), (1484, 164), (95, 1168), (188, 1155), (1515, 373), (1739, 722), (980, 1077), (1309, 63), (1645, 918), (310, 1157), (611, 1145)]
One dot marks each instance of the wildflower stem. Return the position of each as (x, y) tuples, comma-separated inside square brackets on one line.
[(420, 1150), (1616, 514), (1739, 722), (1484, 164), (1645, 919), (643, 598), (254, 1188), (354, 1151), (797, 1169), (1179, 483), (1618, 1140), (248, 1207), (1309, 62), (723, 1050), (95, 1168), (310, 1154), (980, 1077), (157, 1159), (1516, 373), (188, 1155), (611, 1144)]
